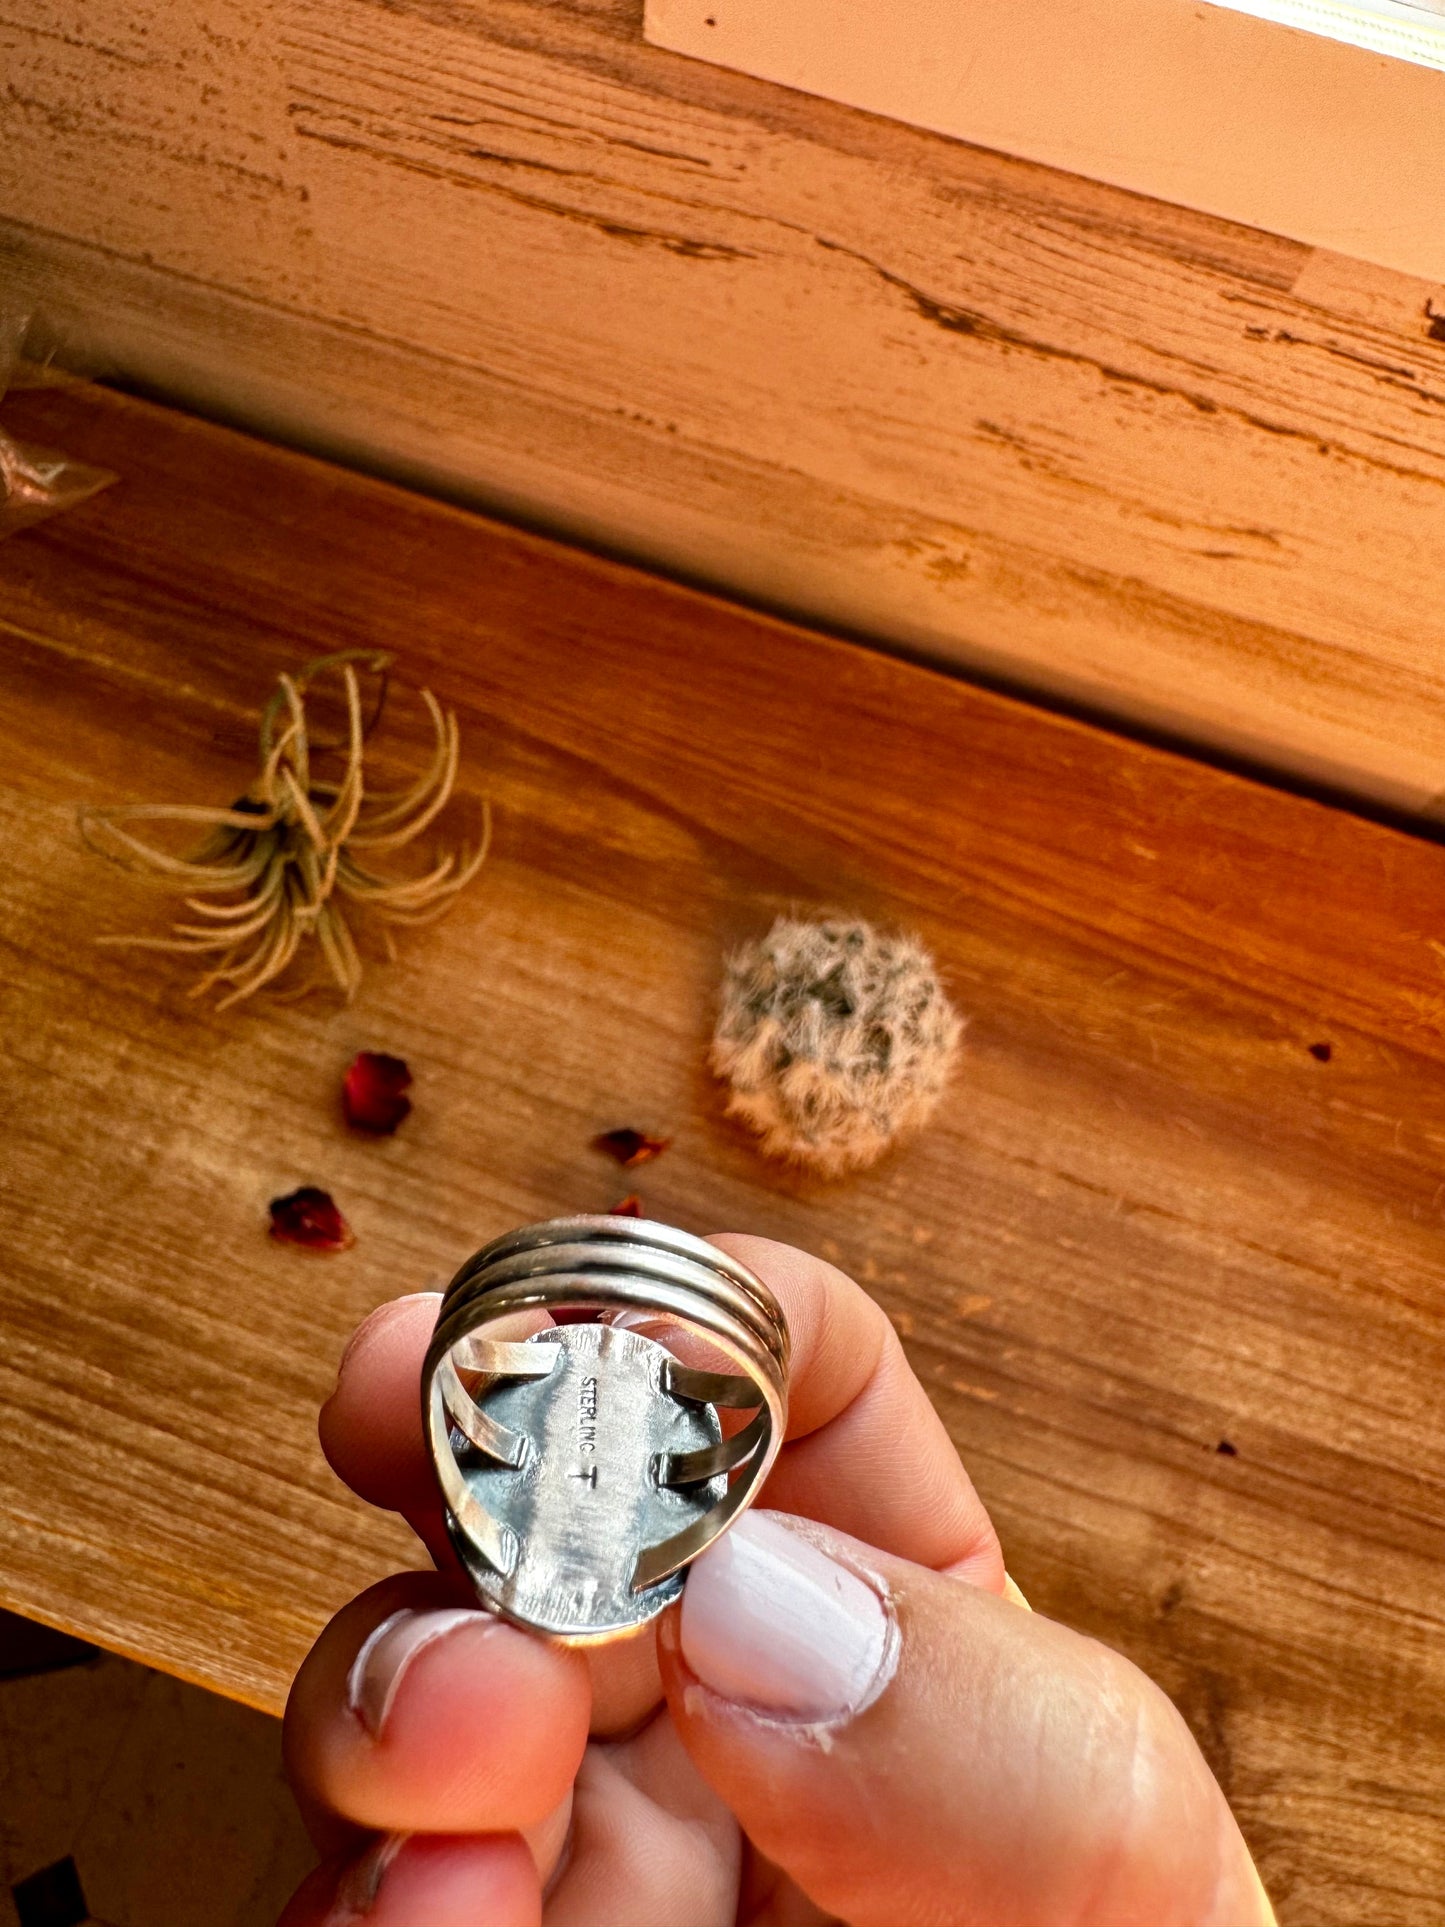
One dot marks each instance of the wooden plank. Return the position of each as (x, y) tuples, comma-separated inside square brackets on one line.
[(1183, 472), (1149, 1219), (1310, 118)]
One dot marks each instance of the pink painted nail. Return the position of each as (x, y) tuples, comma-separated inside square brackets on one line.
[(771, 1621)]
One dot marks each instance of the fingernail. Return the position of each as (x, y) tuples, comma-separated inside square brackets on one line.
[(367, 1328), (771, 1621), (382, 1664), (361, 1883)]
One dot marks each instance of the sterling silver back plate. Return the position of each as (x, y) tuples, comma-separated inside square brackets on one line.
[(585, 1500), (584, 1466)]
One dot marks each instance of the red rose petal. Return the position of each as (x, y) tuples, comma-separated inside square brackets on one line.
[(631, 1147), (372, 1095), (628, 1207), (309, 1218)]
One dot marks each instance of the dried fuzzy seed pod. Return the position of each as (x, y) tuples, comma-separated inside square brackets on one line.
[(834, 1039)]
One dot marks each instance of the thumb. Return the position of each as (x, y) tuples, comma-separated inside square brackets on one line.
[(912, 1749)]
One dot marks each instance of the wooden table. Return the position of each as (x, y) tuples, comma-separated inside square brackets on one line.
[(1169, 1261)]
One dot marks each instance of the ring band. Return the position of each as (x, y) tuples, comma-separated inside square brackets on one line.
[(581, 1461)]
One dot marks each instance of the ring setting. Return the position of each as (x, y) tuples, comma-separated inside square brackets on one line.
[(585, 1398)]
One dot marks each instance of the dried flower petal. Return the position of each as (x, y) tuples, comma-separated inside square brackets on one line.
[(630, 1147), (373, 1094), (628, 1207), (309, 1218)]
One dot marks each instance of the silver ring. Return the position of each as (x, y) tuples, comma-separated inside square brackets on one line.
[(582, 1461)]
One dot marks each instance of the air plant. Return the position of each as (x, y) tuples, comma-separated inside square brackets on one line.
[(294, 860)]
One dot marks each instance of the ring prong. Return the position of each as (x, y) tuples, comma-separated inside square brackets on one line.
[(692, 1468)]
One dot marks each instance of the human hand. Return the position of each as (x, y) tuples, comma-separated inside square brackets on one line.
[(847, 1717)]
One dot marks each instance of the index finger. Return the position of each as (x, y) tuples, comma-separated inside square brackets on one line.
[(865, 1451)]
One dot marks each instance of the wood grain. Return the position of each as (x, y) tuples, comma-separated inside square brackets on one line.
[(1149, 1224), (1181, 471), (1307, 133)]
